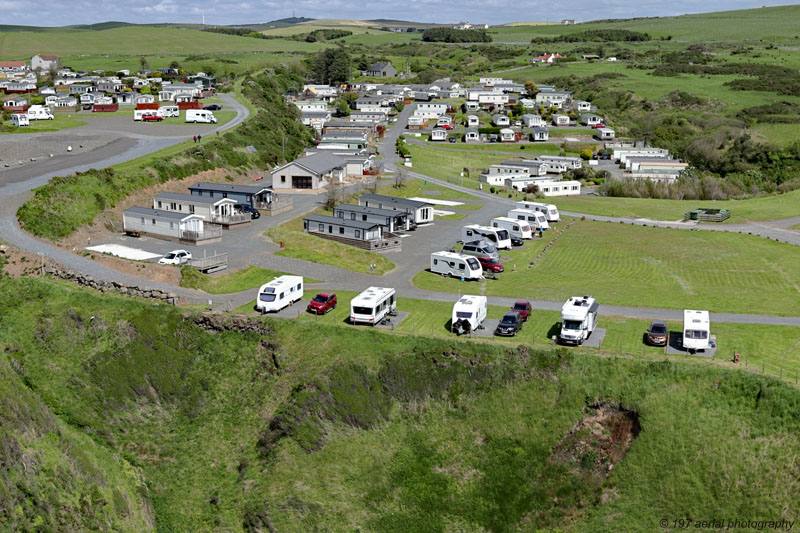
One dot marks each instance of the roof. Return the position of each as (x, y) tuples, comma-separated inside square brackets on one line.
[(319, 162), (392, 199), (159, 213), (8, 64), (379, 66), (325, 219), (227, 187), (367, 210), (48, 57), (192, 198), (372, 293)]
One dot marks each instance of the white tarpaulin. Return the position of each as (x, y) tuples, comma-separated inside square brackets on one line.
[(123, 251), (436, 202)]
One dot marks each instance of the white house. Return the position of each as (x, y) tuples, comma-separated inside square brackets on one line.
[(604, 134), (507, 135), (472, 135), (498, 174), (44, 63), (500, 120), (529, 120), (553, 98), (312, 172), (492, 99), (439, 134), (539, 134), (430, 110), (590, 119), (216, 210), (560, 120), (311, 106), (473, 121)]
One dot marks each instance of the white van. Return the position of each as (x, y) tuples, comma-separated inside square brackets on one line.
[(499, 237), (39, 112), (516, 228), (279, 293), (200, 115), (168, 111), (469, 312), (534, 219), (456, 265), (579, 317), (20, 119), (372, 305), (550, 211), (696, 330)]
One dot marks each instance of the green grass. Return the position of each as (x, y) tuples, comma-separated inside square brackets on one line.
[(248, 278), (419, 188), (650, 267), (60, 122), (771, 207), (779, 134)]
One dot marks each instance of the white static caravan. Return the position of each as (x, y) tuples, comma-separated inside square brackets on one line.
[(200, 115), (499, 237), (696, 330), (279, 293), (535, 219), (456, 265), (516, 228), (469, 312), (372, 305), (20, 119), (549, 210)]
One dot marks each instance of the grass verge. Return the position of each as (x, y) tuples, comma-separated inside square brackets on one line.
[(251, 277)]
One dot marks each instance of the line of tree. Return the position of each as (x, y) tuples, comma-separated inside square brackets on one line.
[(241, 32), (451, 35), (596, 36), (327, 34)]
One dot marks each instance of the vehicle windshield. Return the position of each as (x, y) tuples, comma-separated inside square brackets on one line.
[(463, 314), (362, 311), (265, 297), (508, 320), (502, 234), (522, 306), (320, 299), (698, 334), (525, 227), (170, 256), (571, 324), (473, 264), (658, 329)]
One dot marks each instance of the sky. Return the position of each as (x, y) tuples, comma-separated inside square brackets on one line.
[(227, 12)]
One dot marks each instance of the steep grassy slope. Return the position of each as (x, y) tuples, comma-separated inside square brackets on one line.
[(266, 425)]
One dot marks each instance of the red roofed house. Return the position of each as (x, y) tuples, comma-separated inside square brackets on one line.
[(12, 66), (44, 62), (547, 58)]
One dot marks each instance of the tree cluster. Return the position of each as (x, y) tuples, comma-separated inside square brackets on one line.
[(450, 35), (330, 66)]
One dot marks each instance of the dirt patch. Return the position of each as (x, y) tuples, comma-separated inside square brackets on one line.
[(599, 441), (19, 263)]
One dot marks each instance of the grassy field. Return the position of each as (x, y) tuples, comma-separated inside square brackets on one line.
[(60, 122), (636, 266), (306, 426), (251, 277), (420, 188), (772, 207)]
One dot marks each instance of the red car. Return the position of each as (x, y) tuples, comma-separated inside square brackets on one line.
[(322, 303), (151, 117), (446, 127), (522, 307), (598, 126), (487, 263)]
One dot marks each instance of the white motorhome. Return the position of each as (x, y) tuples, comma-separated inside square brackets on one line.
[(499, 237), (469, 312), (168, 111), (20, 119), (578, 319), (200, 115), (456, 265), (372, 305), (696, 330), (516, 228), (39, 112), (279, 293), (550, 211), (535, 219)]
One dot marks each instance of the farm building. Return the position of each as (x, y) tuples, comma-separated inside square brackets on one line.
[(171, 226), (215, 210), (366, 235)]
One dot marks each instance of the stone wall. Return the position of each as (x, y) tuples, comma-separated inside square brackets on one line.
[(85, 280)]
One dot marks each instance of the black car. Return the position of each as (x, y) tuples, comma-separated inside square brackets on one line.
[(509, 325), (213, 107), (452, 139), (516, 241), (246, 208)]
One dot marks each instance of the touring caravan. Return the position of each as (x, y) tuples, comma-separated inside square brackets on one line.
[(139, 113), (499, 237), (168, 111), (696, 330), (456, 265), (535, 219), (578, 319), (200, 115), (550, 211), (469, 312), (517, 228), (279, 293), (39, 112), (20, 119), (372, 305)]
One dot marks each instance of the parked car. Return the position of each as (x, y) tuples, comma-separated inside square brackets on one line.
[(657, 333), (451, 139), (176, 257), (515, 241), (446, 127), (322, 303), (493, 138), (598, 126), (152, 117), (509, 325), (87, 107), (480, 248), (247, 208), (412, 226), (213, 107), (523, 307), (490, 264)]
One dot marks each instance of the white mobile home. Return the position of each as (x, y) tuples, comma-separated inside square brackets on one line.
[(560, 188), (499, 237), (578, 319), (372, 305), (469, 312), (535, 219), (419, 212), (604, 134), (216, 210), (171, 226), (200, 115), (473, 121), (516, 228), (456, 265), (438, 134), (279, 293), (549, 210), (696, 330), (497, 174)]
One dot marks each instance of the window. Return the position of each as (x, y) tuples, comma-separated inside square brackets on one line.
[(358, 234), (283, 179), (171, 225), (322, 227), (352, 216), (191, 209), (159, 204), (363, 218), (154, 221), (143, 221), (330, 228), (341, 230), (435, 261)]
